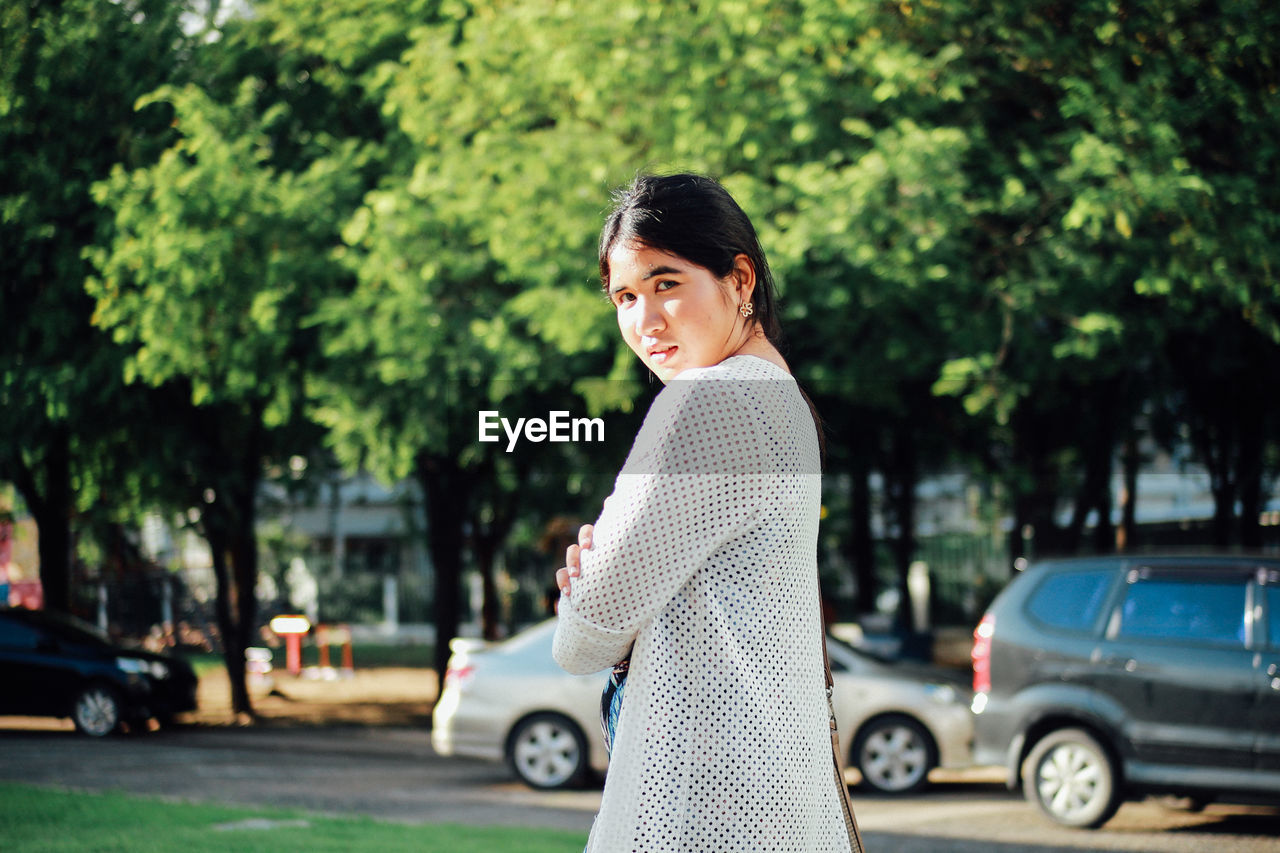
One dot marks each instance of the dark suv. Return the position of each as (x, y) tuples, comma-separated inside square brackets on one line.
[(1101, 679)]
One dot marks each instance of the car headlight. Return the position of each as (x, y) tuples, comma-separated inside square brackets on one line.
[(139, 666), (943, 694)]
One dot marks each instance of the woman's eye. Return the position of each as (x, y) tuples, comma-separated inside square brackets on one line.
[(666, 284), (623, 298)]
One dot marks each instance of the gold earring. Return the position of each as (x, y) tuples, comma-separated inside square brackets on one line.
[(745, 310)]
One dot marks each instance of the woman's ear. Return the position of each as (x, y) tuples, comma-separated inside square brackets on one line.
[(744, 278)]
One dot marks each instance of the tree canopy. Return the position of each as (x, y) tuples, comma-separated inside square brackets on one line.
[(70, 74), (1027, 240)]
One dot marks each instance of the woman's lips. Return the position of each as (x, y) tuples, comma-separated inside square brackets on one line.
[(661, 355)]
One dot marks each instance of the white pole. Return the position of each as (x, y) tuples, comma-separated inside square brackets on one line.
[(166, 605), (918, 587), (390, 604)]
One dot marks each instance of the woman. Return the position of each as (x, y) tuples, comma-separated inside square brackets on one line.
[(700, 573)]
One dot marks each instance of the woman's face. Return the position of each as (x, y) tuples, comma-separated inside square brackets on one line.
[(674, 314)]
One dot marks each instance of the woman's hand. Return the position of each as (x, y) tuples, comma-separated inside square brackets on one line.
[(573, 559)]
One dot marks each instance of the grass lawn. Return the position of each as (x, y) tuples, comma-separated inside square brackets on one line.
[(42, 820)]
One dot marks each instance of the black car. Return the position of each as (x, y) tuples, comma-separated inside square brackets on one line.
[(1102, 679), (57, 666)]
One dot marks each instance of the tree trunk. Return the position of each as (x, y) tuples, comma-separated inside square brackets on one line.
[(1104, 534), (1249, 464), (223, 607), (901, 480), (1094, 494), (244, 570), (1218, 452), (1035, 491), (485, 553), (490, 527), (1127, 535), (52, 504), (229, 523), (235, 602), (863, 548), (448, 494)]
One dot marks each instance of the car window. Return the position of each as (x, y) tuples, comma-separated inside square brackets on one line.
[(15, 635), (1209, 612), (1071, 601)]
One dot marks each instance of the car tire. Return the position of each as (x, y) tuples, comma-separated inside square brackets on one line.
[(894, 754), (1072, 779), (96, 711), (548, 751)]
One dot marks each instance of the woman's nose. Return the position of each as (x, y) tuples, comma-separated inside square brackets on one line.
[(650, 319)]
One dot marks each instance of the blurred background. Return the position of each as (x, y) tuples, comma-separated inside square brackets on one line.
[(263, 263)]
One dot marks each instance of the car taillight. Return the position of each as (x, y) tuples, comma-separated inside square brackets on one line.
[(981, 654), (459, 676)]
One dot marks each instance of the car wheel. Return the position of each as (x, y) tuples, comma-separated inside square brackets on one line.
[(894, 754), (548, 751), (96, 711), (1072, 779)]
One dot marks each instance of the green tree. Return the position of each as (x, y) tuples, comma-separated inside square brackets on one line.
[(219, 254), (427, 340), (69, 76), (813, 118), (1128, 153)]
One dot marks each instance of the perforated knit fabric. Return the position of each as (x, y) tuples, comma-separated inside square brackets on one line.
[(703, 566)]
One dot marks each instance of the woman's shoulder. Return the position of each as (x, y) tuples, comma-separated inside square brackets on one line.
[(742, 367), (741, 382), (745, 381), (743, 394), (700, 415)]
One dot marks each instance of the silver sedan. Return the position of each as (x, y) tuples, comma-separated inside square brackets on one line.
[(509, 701)]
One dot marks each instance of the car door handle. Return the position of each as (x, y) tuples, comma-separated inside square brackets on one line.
[(1127, 664)]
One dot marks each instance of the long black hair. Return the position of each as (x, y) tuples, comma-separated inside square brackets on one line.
[(692, 217)]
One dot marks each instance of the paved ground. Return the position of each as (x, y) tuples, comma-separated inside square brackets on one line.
[(362, 747), (391, 773)]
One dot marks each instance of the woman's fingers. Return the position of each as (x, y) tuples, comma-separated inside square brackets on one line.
[(573, 558)]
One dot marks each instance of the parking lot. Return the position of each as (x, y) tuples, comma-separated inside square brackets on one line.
[(391, 773)]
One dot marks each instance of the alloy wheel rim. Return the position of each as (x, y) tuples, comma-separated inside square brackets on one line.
[(895, 758), (97, 711), (547, 754), (1069, 780)]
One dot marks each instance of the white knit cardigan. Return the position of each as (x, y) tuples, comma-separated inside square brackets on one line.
[(703, 566)]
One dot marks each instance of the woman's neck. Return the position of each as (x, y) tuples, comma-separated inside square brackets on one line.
[(759, 346)]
